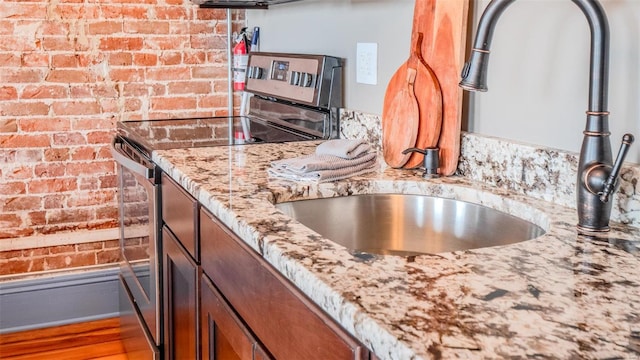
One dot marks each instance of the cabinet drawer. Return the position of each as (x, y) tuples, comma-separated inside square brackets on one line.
[(287, 323), (180, 213)]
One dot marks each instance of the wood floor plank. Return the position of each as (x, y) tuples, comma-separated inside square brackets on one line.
[(92, 340)]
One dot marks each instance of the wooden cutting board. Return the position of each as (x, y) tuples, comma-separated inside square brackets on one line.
[(443, 48), (402, 126)]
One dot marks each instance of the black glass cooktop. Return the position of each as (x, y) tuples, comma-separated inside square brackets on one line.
[(149, 135)]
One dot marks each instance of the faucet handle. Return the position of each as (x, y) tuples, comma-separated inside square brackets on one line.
[(431, 161), (609, 186)]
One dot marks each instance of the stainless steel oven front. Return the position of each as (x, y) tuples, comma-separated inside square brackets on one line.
[(139, 199)]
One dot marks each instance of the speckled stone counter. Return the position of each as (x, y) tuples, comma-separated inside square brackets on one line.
[(561, 295)]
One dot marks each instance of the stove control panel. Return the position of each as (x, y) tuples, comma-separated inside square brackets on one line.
[(305, 79)]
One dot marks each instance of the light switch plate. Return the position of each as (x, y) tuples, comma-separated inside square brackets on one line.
[(367, 63)]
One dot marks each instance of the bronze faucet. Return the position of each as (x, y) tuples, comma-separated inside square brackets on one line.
[(597, 174)]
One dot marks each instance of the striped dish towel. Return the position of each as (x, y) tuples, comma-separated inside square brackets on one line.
[(322, 167)]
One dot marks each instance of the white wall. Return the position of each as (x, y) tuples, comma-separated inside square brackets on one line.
[(538, 73)]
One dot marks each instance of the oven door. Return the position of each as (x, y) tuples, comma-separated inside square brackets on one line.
[(139, 192)]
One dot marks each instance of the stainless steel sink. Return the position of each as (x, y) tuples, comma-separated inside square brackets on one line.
[(408, 224)]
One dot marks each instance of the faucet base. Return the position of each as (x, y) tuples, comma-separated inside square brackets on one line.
[(591, 231)]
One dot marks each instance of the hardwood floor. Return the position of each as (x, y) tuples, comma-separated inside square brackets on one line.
[(92, 340)]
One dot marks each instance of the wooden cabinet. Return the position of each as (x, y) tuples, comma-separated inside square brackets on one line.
[(287, 323), (181, 271), (181, 275), (223, 301), (223, 335)]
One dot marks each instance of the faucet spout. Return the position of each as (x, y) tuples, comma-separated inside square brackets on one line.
[(596, 178)]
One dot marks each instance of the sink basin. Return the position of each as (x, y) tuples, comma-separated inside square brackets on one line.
[(408, 224)]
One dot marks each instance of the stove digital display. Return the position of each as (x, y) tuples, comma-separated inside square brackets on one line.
[(279, 70)]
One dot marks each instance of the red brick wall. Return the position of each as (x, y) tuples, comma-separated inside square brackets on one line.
[(69, 70)]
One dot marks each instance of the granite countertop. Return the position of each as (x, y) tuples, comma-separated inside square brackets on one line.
[(561, 295)]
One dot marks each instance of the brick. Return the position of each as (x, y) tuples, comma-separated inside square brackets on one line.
[(54, 27), (64, 60), (19, 141), (127, 12), (11, 254), (75, 108), (146, 27), (108, 181), (194, 58), (19, 172), (36, 218), (104, 91), (108, 213), (10, 60), (24, 156), (21, 10), (8, 93), (209, 72), (89, 246), (171, 58), (94, 124), (22, 108), (145, 59), (12, 188), (127, 75), (69, 138), (17, 266), (9, 221), (48, 186), (8, 126), (100, 137), (15, 233), (80, 91), (171, 12), (73, 216), (213, 101), (168, 42), (20, 76), (90, 168), (105, 27), (21, 203), (17, 43), (121, 59), (68, 76), (211, 14), (45, 125), (121, 43), (6, 28), (60, 43), (56, 154), (168, 74), (69, 261), (173, 103), (91, 198), (49, 170), (76, 11), (44, 92), (108, 256), (54, 201), (35, 60), (83, 153), (62, 249), (190, 87)]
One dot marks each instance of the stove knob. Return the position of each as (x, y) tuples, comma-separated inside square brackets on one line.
[(307, 80), (295, 78), (255, 72)]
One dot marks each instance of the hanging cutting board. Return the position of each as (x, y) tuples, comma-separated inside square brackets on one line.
[(428, 90), (403, 126), (443, 48)]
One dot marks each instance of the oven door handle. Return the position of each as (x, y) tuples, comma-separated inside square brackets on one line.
[(121, 158)]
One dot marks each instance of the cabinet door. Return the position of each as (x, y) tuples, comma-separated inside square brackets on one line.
[(288, 324), (224, 335), (180, 301)]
